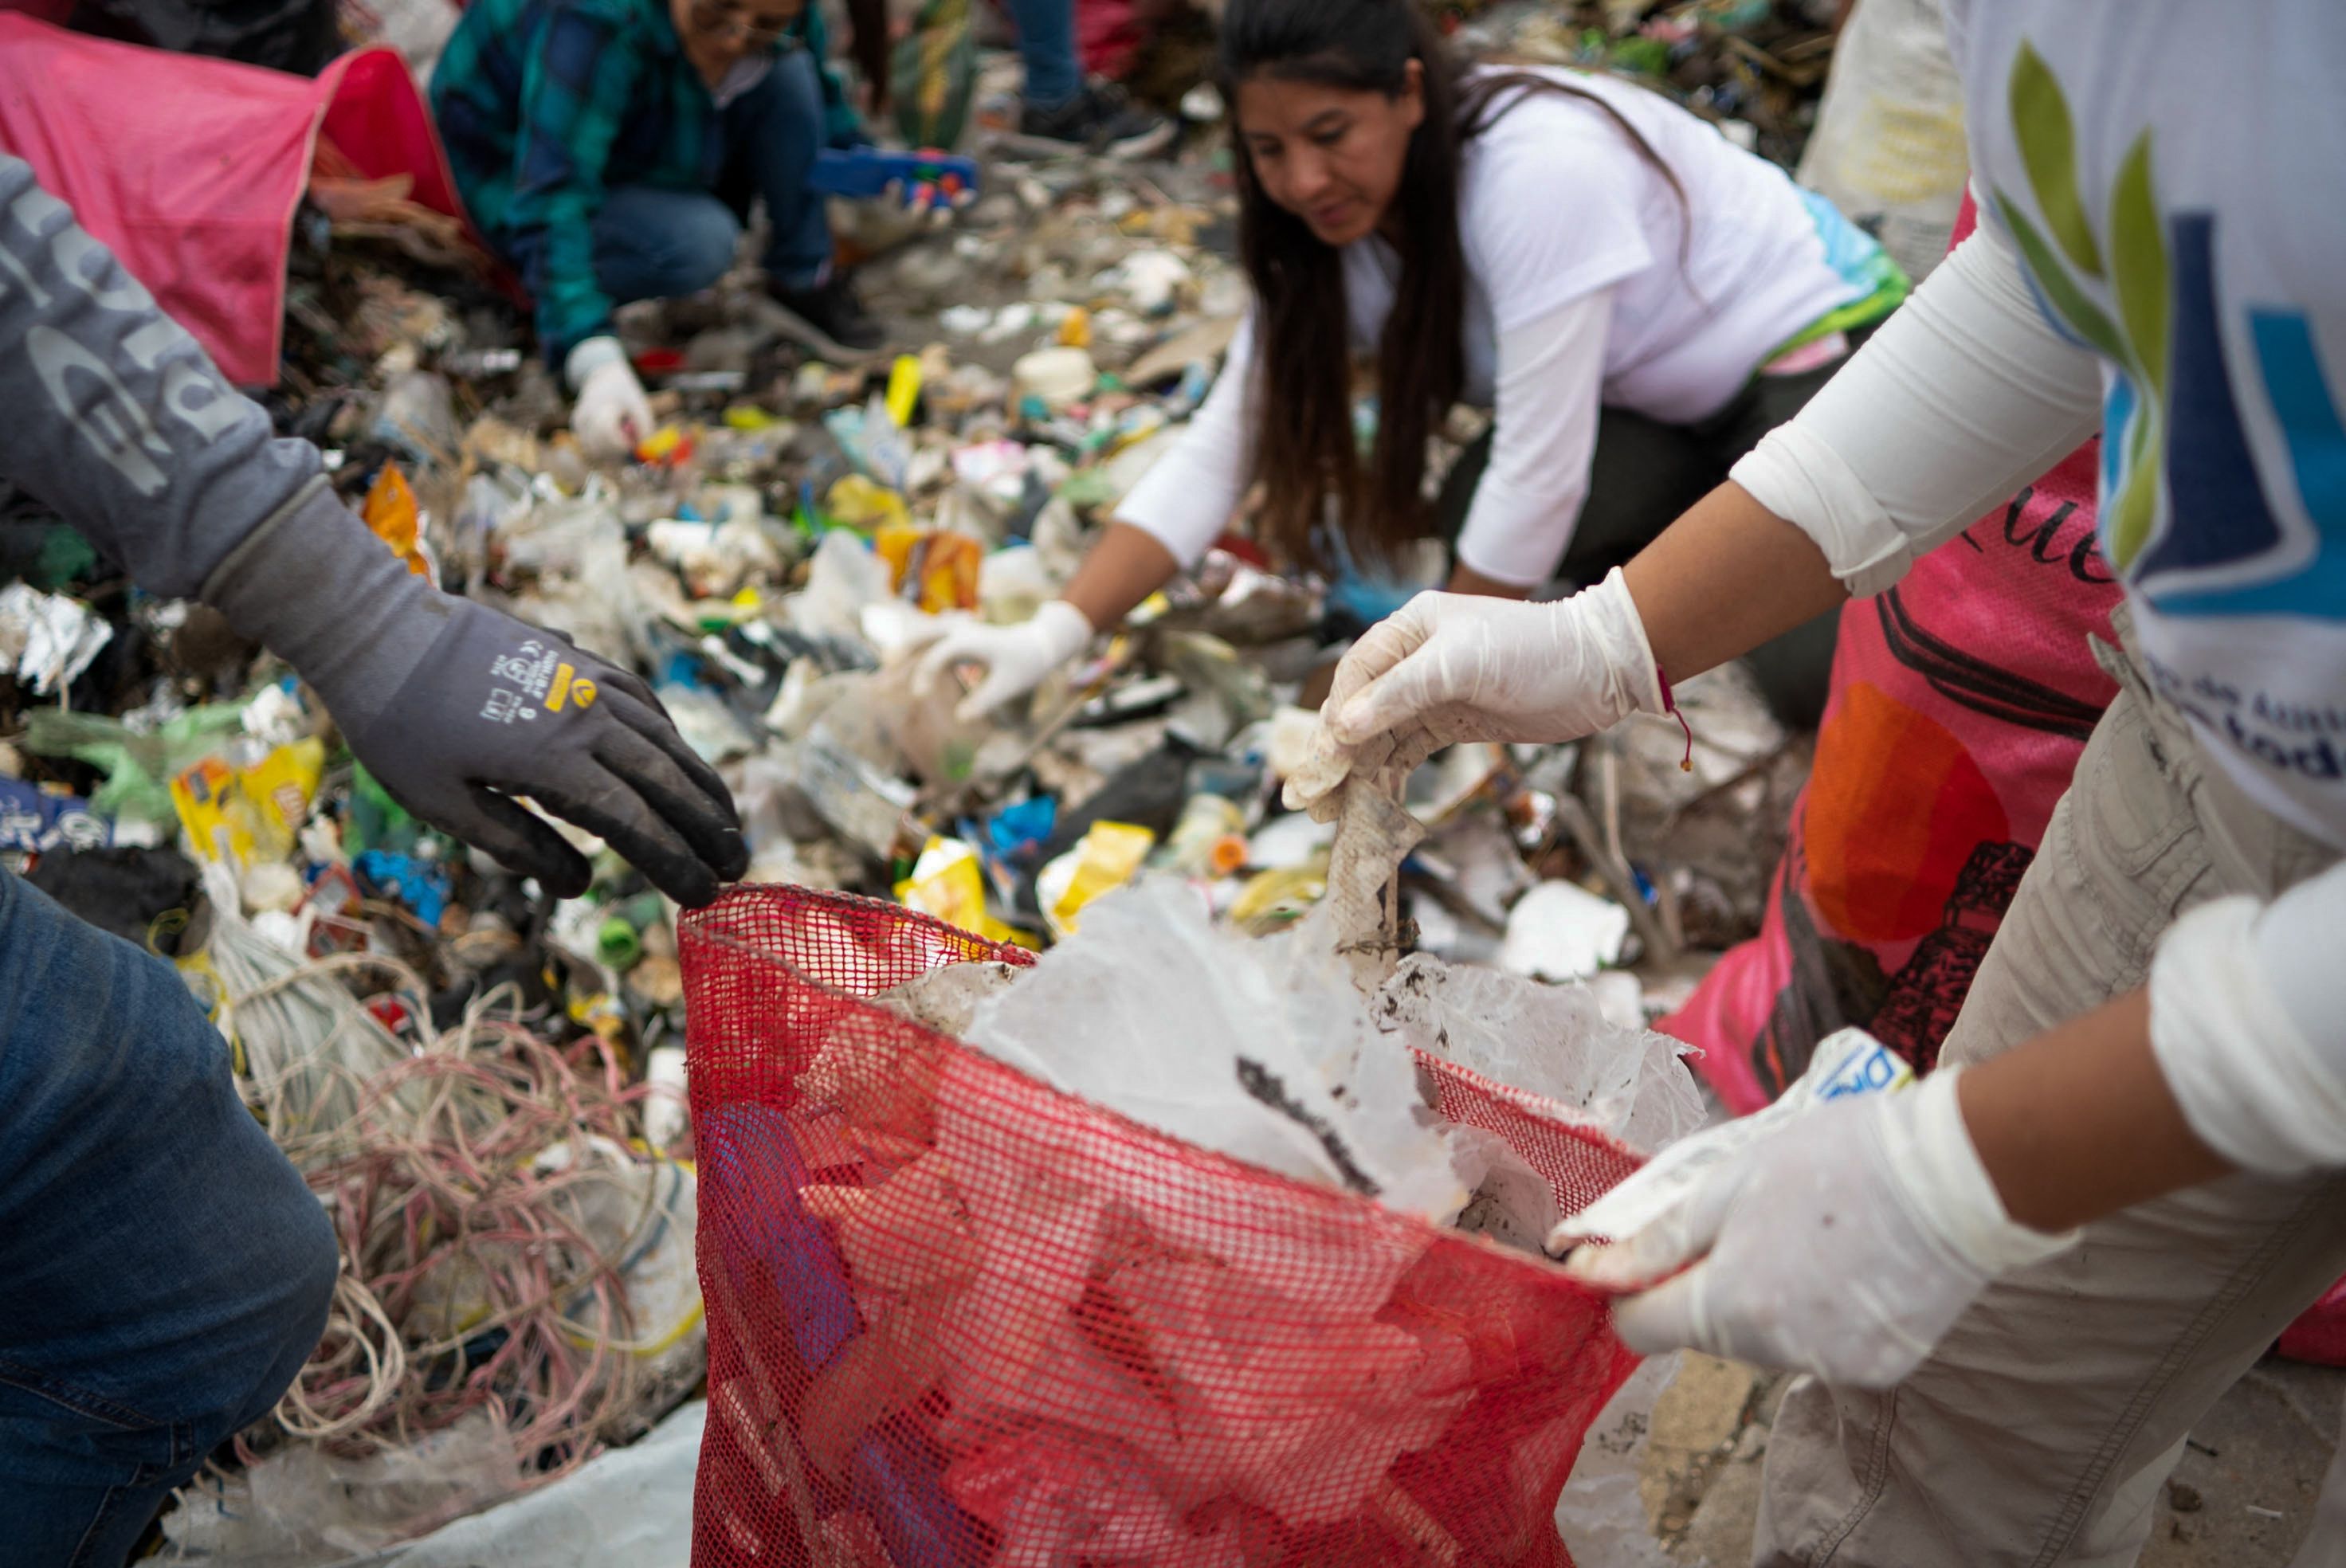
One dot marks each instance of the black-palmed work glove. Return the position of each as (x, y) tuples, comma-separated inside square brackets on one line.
[(457, 710)]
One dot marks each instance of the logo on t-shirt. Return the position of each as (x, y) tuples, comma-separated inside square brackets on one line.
[(2185, 516)]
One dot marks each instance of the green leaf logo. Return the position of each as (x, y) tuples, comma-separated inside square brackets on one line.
[(2137, 274), (2048, 148)]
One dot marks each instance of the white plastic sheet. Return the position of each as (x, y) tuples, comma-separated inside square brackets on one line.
[(1262, 1050), (303, 1507), (1553, 1040), (630, 1507), (1602, 1515), (48, 639)]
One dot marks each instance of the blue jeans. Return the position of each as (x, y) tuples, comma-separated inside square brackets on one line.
[(653, 243), (1046, 47), (164, 1271)]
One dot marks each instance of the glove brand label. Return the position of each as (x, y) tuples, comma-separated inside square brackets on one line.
[(534, 677), (1870, 1068), (571, 687)]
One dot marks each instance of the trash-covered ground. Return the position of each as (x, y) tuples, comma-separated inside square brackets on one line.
[(1689, 1433), (483, 1086)]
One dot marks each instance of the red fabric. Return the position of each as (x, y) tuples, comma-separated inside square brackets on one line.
[(2321, 1334), (1960, 705), (1108, 36), (958, 1317), (1961, 700), (189, 169)]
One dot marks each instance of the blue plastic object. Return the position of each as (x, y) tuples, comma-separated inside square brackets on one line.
[(33, 820), (424, 886), (1015, 828), (870, 171)]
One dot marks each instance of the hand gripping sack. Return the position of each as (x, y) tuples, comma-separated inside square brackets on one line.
[(959, 1318)]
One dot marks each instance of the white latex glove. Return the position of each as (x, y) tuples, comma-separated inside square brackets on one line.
[(1017, 658), (1844, 1242), (611, 415), (1498, 670), (1447, 667)]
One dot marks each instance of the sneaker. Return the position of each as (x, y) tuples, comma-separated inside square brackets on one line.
[(829, 318), (1099, 119)]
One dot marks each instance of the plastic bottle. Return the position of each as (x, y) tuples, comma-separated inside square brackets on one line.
[(620, 939)]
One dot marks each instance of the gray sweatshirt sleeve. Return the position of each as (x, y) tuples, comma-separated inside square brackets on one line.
[(112, 414)]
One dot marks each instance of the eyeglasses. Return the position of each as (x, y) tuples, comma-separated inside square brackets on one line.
[(723, 20)]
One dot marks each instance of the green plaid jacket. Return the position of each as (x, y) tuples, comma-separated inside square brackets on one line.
[(544, 104)]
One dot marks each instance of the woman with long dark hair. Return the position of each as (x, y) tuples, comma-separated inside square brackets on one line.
[(1635, 298)]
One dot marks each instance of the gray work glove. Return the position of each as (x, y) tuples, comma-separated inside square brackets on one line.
[(457, 710)]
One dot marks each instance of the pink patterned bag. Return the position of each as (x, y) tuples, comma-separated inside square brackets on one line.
[(1961, 700)]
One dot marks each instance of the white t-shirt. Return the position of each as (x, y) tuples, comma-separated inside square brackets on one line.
[(2198, 255), (2157, 255), (1572, 245)]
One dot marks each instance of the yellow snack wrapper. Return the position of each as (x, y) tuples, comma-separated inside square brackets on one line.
[(252, 812), (1108, 856), (947, 882)]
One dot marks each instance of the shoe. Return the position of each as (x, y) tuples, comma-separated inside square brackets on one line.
[(834, 321), (1101, 119)]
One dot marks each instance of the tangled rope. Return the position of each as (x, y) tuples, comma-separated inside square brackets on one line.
[(484, 1196)]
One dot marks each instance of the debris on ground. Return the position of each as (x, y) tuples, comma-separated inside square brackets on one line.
[(483, 1083)]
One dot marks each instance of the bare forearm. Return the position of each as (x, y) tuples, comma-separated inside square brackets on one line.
[(1724, 578), (1467, 580), (2079, 1122), (1124, 567)]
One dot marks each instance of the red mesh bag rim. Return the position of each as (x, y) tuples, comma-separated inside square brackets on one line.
[(695, 926)]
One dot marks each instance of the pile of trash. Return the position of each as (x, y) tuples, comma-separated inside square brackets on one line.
[(1756, 67), (483, 1084)]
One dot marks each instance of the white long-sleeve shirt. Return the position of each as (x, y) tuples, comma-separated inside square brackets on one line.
[(1588, 282), (2157, 254)]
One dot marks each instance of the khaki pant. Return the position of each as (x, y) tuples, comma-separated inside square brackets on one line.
[(2042, 1429)]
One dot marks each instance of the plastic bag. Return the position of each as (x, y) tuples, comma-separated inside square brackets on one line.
[(48, 639), (1247, 1047), (1552, 1040), (629, 1508), (935, 73), (1602, 1513), (305, 1506), (1888, 149)]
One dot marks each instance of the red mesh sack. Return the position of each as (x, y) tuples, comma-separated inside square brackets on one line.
[(956, 1316)]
